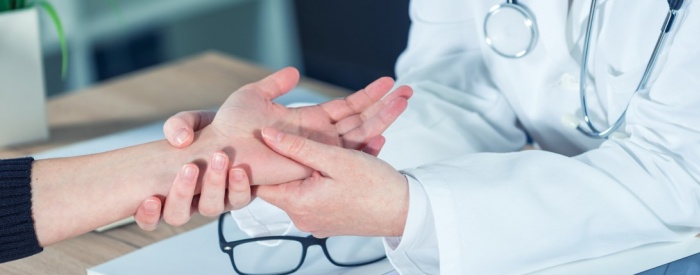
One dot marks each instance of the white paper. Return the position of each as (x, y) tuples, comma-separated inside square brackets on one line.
[(198, 252)]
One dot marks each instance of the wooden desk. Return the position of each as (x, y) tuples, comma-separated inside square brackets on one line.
[(144, 97)]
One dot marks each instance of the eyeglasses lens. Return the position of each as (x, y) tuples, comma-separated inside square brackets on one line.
[(282, 256), (351, 250)]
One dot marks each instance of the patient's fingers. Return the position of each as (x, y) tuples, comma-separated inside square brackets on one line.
[(349, 123), (359, 101), (374, 126), (179, 201), (374, 146), (179, 129), (148, 214), (238, 189), (276, 84), (211, 200)]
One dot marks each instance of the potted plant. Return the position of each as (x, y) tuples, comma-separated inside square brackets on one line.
[(22, 92)]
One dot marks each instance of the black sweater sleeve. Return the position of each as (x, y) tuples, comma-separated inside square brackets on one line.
[(17, 236)]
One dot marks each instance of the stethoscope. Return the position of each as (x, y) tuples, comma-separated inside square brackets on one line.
[(511, 31)]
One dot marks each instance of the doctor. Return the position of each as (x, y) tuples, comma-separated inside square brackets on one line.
[(452, 191)]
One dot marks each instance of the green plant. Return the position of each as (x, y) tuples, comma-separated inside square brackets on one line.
[(7, 5)]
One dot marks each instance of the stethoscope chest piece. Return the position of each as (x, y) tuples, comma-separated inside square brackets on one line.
[(510, 30)]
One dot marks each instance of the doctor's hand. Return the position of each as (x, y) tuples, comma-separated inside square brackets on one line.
[(179, 132), (354, 122), (183, 202), (350, 192)]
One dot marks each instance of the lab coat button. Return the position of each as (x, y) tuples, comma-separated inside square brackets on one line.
[(568, 81), (570, 121)]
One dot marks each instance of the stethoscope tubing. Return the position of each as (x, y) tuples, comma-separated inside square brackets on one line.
[(589, 129), (592, 131)]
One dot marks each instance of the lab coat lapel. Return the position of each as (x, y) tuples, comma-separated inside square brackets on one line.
[(579, 13), (550, 16)]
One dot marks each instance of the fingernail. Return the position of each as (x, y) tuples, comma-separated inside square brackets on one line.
[(151, 206), (272, 135), (188, 172), (219, 162), (181, 136), (238, 175)]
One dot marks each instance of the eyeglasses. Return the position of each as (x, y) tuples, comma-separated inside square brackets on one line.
[(286, 254)]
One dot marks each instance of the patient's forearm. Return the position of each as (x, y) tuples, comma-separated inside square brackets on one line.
[(71, 196)]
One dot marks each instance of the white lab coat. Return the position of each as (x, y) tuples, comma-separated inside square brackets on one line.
[(478, 209)]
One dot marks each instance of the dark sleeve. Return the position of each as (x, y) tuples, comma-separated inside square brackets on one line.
[(17, 236)]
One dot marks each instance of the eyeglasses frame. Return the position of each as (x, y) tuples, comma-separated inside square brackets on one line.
[(306, 242)]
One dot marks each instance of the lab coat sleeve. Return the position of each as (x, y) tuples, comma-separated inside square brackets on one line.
[(260, 219), (515, 213), (456, 108), (416, 251)]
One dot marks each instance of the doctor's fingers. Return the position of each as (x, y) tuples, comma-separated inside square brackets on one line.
[(178, 203), (327, 159), (179, 129), (214, 181), (148, 214), (375, 125), (359, 101), (239, 189)]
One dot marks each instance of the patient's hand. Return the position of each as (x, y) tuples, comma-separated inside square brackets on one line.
[(351, 123), (355, 122)]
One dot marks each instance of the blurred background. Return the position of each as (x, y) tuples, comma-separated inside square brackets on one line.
[(344, 42)]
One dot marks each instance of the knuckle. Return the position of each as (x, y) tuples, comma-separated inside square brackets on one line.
[(215, 178), (363, 117), (297, 146), (210, 210), (357, 136), (182, 194), (242, 187), (355, 105), (239, 201)]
